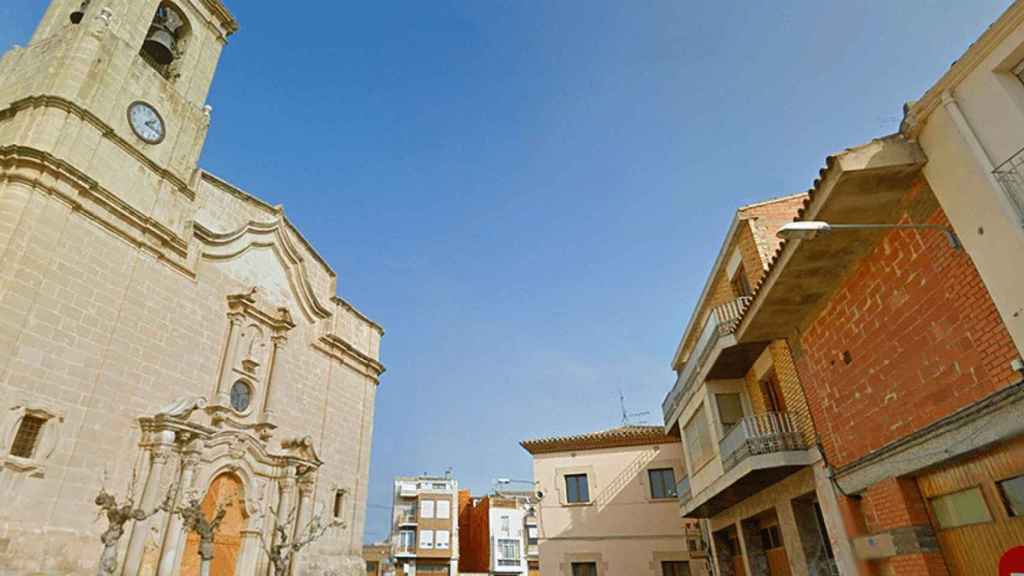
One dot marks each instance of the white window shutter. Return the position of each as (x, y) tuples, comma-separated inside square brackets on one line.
[(442, 539), (444, 509), (427, 539), (426, 508)]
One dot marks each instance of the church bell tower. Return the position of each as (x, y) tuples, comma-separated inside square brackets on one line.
[(107, 106)]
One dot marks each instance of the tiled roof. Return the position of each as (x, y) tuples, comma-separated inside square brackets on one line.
[(614, 438)]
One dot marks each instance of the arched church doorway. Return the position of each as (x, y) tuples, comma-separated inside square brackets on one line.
[(225, 490)]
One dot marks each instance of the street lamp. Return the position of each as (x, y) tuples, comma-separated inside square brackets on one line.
[(811, 230)]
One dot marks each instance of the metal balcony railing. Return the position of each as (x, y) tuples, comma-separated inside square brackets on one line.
[(720, 322), (683, 490), (1011, 175), (762, 434)]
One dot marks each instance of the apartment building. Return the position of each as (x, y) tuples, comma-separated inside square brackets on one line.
[(607, 505), (425, 527), (753, 471), (498, 534)]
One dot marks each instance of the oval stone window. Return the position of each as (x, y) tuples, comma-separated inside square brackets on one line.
[(241, 396)]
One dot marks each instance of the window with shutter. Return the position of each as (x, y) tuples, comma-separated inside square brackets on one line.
[(444, 509), (426, 508), (427, 539)]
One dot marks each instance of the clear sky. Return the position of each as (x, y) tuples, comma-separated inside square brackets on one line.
[(528, 194)]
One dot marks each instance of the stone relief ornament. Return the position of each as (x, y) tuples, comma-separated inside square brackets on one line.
[(183, 407)]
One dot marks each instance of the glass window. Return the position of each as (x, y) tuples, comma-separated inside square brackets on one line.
[(27, 437), (663, 483), (740, 285), (241, 396), (426, 508), (442, 539), (1012, 490), (444, 509), (730, 410), (506, 526), (584, 569), (771, 538), (576, 489), (406, 539), (675, 569), (960, 509), (698, 441), (427, 539), (508, 549)]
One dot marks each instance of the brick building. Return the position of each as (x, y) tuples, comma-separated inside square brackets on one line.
[(498, 534), (753, 472), (908, 369)]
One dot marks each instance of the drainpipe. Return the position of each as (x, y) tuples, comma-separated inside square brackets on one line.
[(970, 137)]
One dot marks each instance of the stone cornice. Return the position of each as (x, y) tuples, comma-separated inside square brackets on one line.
[(917, 113), (276, 211), (106, 130), (85, 195), (355, 312), (217, 8), (336, 347)]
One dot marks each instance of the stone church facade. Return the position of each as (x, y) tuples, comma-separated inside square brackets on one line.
[(161, 331)]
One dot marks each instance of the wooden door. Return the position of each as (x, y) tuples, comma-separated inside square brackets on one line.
[(975, 548), (778, 562), (225, 490)]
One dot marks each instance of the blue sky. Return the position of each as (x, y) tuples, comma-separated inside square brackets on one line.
[(528, 194)]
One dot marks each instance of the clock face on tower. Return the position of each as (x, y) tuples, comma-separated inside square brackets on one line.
[(146, 122)]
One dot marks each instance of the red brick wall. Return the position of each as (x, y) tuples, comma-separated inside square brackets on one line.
[(923, 333), (474, 534)]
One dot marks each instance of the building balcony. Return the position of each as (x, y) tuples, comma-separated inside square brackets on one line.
[(763, 434), (406, 519), (405, 551), (756, 453), (714, 355), (1010, 175)]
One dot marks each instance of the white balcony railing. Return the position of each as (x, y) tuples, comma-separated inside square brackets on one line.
[(1011, 175), (761, 434), (720, 322)]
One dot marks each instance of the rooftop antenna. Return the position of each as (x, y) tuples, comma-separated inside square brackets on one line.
[(630, 418)]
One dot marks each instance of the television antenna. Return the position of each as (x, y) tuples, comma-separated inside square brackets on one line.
[(630, 418)]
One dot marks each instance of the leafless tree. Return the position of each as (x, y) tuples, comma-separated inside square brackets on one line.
[(283, 549), (117, 516), (195, 521)]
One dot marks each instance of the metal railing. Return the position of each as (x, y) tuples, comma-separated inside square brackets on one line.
[(683, 490), (762, 434), (1011, 175), (720, 322)]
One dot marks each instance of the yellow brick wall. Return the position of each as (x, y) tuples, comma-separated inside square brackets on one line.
[(793, 393)]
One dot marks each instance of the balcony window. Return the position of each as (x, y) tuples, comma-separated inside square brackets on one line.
[(960, 509), (577, 491), (698, 439), (663, 483), (406, 540), (774, 401), (740, 284), (508, 551), (1012, 491)]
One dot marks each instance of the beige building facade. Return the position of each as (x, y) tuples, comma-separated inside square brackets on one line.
[(970, 126), (608, 505), (161, 331)]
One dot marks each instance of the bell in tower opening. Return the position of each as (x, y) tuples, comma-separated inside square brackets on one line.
[(165, 33), (77, 15)]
